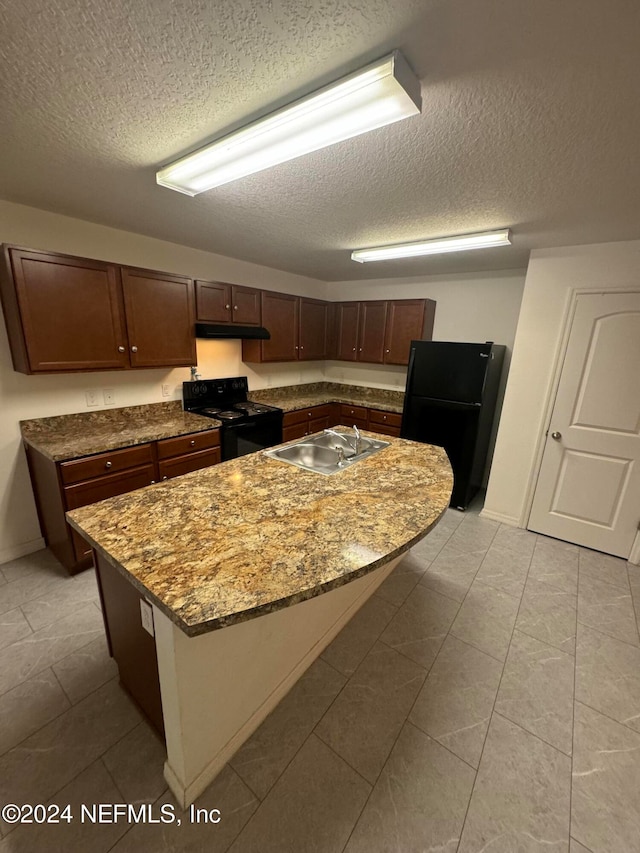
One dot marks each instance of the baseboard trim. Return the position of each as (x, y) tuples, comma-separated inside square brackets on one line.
[(17, 551), (499, 516)]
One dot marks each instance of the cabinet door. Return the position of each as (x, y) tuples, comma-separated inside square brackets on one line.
[(213, 302), (280, 317), (63, 313), (294, 431), (245, 305), (160, 318), (405, 323), (373, 318), (312, 333), (347, 316)]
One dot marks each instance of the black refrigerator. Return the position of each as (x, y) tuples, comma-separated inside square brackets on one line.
[(450, 400)]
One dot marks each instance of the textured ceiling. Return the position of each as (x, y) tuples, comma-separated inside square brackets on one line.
[(531, 120)]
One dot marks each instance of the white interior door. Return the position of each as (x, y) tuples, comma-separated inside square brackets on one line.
[(588, 490)]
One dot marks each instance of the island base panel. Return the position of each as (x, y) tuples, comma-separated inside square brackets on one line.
[(133, 649), (218, 687)]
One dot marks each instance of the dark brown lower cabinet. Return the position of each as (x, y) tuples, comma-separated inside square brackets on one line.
[(133, 649), (62, 486), (303, 422)]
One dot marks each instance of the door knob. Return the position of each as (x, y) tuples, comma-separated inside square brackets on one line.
[(556, 436)]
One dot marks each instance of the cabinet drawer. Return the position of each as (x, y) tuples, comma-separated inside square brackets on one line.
[(294, 431), (385, 429), (105, 463), (350, 415), (168, 447), (305, 415), (376, 416), (109, 486), (189, 462), (318, 424)]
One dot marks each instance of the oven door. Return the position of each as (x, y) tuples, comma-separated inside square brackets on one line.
[(251, 435)]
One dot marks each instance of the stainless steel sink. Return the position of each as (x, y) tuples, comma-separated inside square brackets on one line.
[(327, 453)]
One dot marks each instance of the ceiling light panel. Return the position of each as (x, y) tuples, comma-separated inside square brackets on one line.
[(379, 94), (461, 243)]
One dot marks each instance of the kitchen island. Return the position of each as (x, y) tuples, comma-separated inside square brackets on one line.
[(250, 569)]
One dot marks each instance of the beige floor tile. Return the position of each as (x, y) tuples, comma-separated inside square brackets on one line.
[(39, 563), (364, 721), (536, 690), (403, 579), (474, 534), (608, 609), (49, 759), (92, 787), (263, 758), (136, 764), (486, 619), (313, 812), (49, 645), (86, 669), (13, 627), (608, 676), (521, 797), (549, 614), (59, 604), (515, 539), (353, 643), (430, 546), (31, 586), (419, 802), (555, 563), (604, 567), (505, 568), (227, 793), (455, 703), (576, 847), (452, 572), (605, 806), (29, 707), (419, 627)]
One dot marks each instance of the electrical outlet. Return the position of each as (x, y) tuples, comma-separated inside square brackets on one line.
[(91, 397), (146, 616), (165, 389), (109, 396)]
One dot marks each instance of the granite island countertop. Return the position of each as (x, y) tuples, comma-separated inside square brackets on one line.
[(289, 398), (72, 436), (254, 534)]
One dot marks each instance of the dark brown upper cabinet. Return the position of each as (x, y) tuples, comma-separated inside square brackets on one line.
[(218, 302), (159, 311), (380, 332), (298, 328), (73, 314), (407, 320)]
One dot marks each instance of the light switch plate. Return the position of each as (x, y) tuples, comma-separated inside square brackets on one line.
[(165, 389), (92, 397), (146, 614)]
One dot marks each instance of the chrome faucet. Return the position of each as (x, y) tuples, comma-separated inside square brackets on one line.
[(356, 432)]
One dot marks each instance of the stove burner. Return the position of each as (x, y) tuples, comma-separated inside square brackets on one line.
[(253, 408), (211, 411), (229, 416)]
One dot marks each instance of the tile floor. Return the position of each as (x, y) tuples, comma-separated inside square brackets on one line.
[(487, 698)]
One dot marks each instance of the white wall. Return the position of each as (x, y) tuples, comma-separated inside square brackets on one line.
[(474, 307), (551, 277), (23, 397)]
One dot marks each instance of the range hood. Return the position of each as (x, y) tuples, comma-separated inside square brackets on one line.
[(222, 330)]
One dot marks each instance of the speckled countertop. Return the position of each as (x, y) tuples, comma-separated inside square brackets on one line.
[(292, 397), (72, 436), (253, 535)]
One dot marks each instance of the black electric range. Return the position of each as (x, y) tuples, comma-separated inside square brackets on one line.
[(246, 426)]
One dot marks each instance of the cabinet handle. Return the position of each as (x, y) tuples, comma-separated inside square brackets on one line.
[(387, 350), (165, 477), (152, 483), (309, 414), (235, 307), (296, 347), (227, 307), (108, 464), (353, 350), (301, 347), (384, 417), (192, 443), (120, 349), (134, 349), (360, 350)]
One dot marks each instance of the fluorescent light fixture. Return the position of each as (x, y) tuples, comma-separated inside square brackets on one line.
[(379, 94), (462, 243)]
